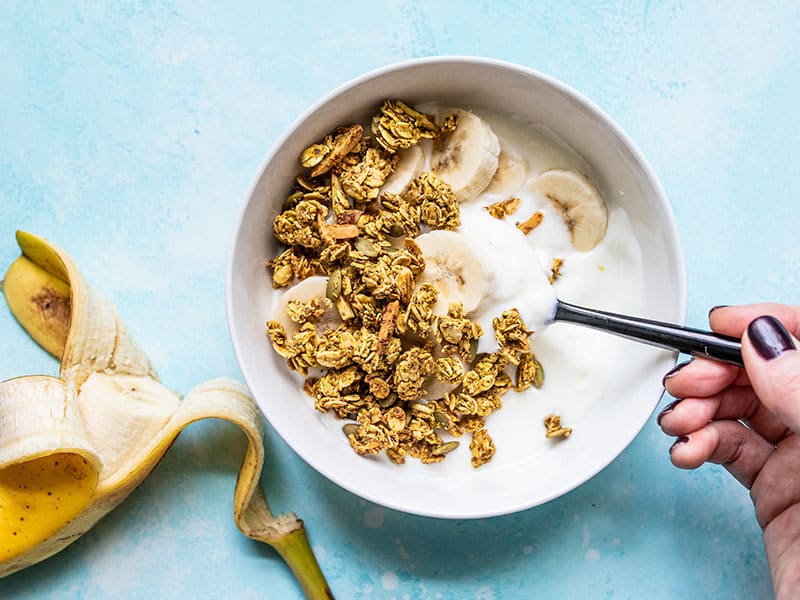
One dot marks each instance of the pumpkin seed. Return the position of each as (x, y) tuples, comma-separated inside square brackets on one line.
[(367, 246), (443, 419), (473, 350), (350, 429), (444, 449), (334, 287), (292, 201), (388, 401)]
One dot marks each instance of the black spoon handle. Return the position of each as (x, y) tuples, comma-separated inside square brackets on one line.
[(665, 335)]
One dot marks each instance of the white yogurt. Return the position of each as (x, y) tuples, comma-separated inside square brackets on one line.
[(514, 276)]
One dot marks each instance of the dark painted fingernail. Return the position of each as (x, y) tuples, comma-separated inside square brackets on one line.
[(667, 409), (769, 337), (673, 371), (681, 440), (713, 308)]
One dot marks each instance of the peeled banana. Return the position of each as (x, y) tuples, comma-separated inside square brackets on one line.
[(73, 447)]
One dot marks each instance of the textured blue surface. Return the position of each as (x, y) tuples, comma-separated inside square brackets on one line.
[(129, 134)]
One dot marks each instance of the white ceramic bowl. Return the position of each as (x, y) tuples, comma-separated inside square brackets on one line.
[(606, 428)]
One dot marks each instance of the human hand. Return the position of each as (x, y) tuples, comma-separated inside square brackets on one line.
[(748, 420)]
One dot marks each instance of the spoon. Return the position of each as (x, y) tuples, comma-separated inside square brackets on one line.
[(695, 342)]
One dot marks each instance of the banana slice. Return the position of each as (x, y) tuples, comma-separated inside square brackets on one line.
[(466, 158), (411, 163), (305, 291), (453, 268), (579, 203), (512, 170)]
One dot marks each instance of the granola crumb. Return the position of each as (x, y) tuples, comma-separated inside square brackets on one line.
[(554, 428), (531, 222), (555, 269), (503, 208)]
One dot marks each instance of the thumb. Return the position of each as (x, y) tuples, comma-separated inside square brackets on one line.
[(772, 363)]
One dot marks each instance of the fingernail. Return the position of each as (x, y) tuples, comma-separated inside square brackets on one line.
[(713, 308), (681, 440), (673, 371), (769, 337), (667, 409)]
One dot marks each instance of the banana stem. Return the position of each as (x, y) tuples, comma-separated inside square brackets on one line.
[(296, 551)]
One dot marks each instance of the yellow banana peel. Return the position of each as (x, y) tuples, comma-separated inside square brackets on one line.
[(73, 447)]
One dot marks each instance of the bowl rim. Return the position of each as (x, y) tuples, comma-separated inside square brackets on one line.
[(596, 112)]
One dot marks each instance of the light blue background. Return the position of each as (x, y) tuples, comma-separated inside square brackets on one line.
[(129, 134)]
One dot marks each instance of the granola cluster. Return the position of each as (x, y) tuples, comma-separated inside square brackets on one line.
[(380, 365), (399, 126), (335, 217)]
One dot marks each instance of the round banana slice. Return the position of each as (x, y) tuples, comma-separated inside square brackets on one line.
[(466, 158), (579, 203), (453, 268), (512, 170), (411, 163), (305, 291)]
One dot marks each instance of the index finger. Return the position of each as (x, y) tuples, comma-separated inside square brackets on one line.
[(733, 320)]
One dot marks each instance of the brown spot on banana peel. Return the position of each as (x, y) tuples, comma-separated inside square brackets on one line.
[(53, 307), (40, 302)]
